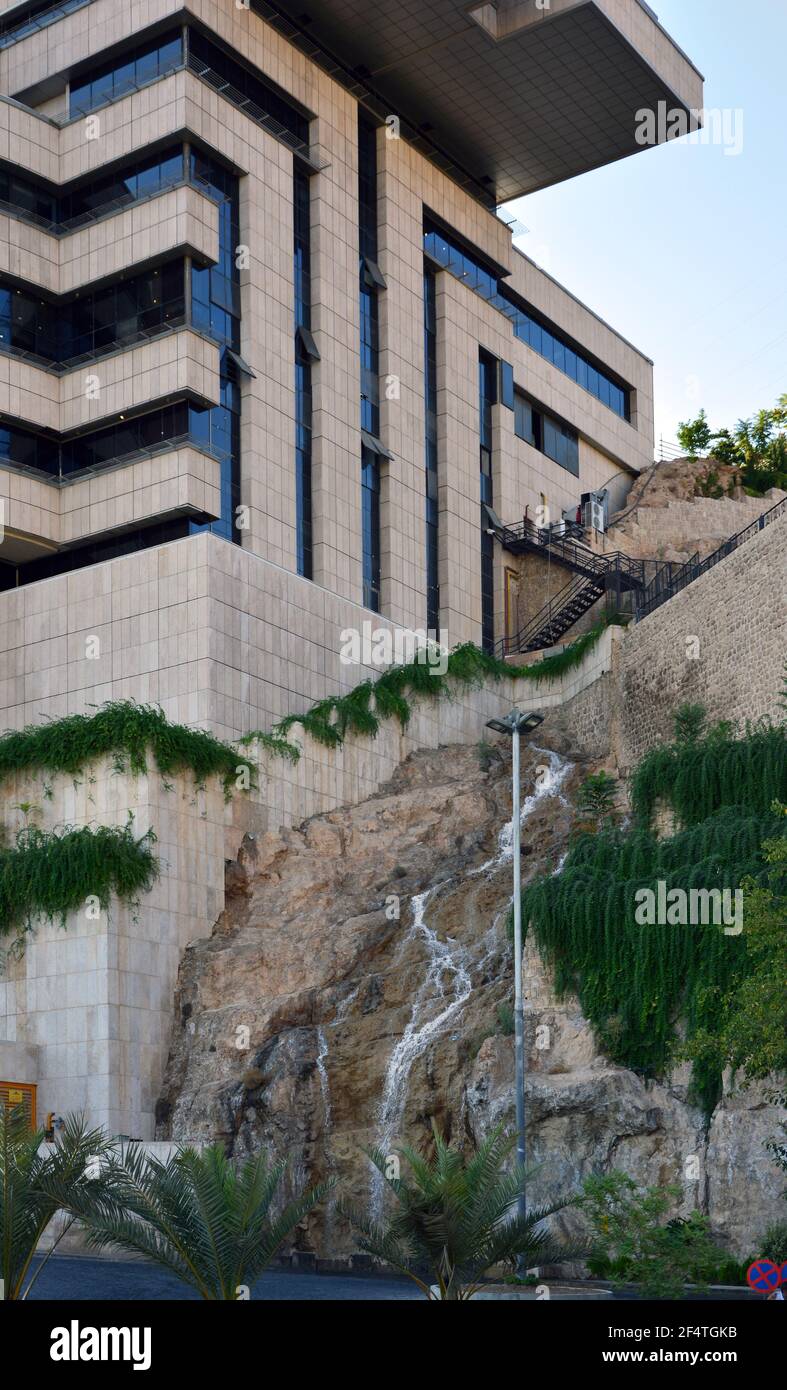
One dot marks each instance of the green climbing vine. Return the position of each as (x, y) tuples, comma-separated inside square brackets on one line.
[(363, 709), (128, 733), (49, 874), (648, 990), (698, 774)]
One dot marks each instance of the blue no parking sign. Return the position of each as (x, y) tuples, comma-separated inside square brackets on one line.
[(763, 1276)]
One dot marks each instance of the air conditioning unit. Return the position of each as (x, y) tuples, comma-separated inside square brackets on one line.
[(594, 510)]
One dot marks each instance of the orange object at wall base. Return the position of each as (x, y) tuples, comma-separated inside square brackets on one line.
[(19, 1093)]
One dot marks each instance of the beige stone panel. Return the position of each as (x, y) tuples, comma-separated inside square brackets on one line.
[(29, 254), (458, 474), (31, 508), (28, 140), (114, 132), (89, 30), (180, 220), (402, 386), (336, 440), (268, 345), (447, 201), (639, 25), (631, 443), (181, 482), (29, 393), (173, 364)]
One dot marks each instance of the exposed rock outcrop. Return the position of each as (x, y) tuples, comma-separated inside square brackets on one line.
[(684, 507), (349, 995)]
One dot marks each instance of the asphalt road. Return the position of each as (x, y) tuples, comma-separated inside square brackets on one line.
[(67, 1279)]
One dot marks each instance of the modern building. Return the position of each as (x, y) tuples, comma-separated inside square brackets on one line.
[(270, 364), (253, 286)]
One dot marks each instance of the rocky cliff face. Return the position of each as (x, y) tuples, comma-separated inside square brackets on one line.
[(683, 508), (349, 995)]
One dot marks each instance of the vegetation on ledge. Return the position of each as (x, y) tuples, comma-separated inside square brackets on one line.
[(362, 710), (127, 732), (51, 874)]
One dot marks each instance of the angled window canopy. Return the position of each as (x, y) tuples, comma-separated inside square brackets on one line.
[(306, 341), (373, 275), (374, 445), (240, 363)]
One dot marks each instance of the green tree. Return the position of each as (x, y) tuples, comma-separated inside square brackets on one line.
[(695, 435), (456, 1218), (210, 1224), (597, 798), (33, 1182), (757, 446), (634, 1241)]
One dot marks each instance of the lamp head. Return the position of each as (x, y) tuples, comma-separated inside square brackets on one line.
[(516, 723)]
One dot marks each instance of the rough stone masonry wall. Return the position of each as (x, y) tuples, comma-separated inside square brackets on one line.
[(722, 643)]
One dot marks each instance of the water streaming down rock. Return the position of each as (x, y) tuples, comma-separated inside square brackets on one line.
[(305, 943), (448, 967), (323, 1075), (446, 962), (549, 782)]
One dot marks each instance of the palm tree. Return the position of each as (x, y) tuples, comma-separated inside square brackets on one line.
[(457, 1219), (210, 1224), (32, 1182)]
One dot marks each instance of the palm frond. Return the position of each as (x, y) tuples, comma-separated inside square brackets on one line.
[(458, 1217)]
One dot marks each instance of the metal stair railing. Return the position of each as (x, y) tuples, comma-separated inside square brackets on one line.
[(654, 594), (565, 546), (549, 617)]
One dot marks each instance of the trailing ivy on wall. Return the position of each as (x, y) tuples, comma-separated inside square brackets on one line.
[(51, 874), (699, 775), (128, 733), (649, 990), (389, 697)]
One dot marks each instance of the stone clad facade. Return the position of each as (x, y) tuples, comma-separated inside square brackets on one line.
[(721, 643), (235, 425)]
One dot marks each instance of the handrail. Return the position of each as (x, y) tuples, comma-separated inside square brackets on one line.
[(245, 104), (565, 544), (551, 610), (653, 596), (14, 30)]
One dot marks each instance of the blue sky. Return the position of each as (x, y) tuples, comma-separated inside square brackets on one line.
[(682, 248)]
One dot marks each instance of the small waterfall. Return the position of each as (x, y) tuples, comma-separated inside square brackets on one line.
[(446, 967), (550, 783), (323, 1075), (448, 963)]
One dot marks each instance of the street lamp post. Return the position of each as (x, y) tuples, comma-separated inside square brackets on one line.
[(513, 725)]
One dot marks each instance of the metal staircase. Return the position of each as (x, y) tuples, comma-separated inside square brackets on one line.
[(555, 618), (594, 576)]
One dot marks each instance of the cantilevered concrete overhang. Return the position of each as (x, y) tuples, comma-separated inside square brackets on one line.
[(511, 95)]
